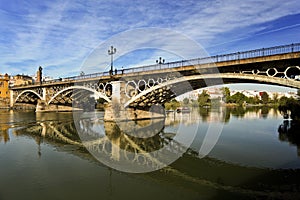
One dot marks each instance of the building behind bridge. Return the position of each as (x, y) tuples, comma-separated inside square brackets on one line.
[(21, 80)]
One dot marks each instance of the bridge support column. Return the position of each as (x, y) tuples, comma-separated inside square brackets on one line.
[(115, 111), (11, 101), (44, 94)]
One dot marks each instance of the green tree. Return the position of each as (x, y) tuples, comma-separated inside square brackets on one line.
[(172, 105), (185, 101), (290, 105), (275, 97), (226, 94), (283, 100), (264, 98), (203, 98), (238, 98), (254, 100)]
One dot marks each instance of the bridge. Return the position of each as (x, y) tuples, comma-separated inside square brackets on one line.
[(137, 93)]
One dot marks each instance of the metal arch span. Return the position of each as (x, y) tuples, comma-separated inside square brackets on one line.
[(29, 91), (225, 76), (98, 94)]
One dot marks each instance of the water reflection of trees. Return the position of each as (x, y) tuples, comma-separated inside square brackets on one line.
[(289, 132), (225, 113), (221, 114), (240, 111), (204, 112)]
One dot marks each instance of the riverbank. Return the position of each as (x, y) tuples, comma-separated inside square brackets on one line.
[(249, 105)]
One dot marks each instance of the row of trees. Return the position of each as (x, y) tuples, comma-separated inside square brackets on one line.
[(204, 99), (240, 99)]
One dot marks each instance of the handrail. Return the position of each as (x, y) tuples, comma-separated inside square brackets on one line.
[(283, 49)]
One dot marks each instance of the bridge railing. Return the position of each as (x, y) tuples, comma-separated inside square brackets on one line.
[(220, 58)]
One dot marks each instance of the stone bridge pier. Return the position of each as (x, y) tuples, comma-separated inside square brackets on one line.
[(118, 110)]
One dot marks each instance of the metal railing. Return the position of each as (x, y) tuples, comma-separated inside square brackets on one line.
[(198, 61)]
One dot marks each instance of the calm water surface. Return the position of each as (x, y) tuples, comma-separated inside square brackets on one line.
[(255, 156)]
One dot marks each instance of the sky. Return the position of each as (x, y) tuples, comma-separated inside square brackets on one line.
[(65, 37)]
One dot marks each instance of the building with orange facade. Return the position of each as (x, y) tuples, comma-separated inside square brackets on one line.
[(4, 86)]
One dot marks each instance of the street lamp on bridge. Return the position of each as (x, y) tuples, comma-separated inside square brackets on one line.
[(160, 61), (111, 52)]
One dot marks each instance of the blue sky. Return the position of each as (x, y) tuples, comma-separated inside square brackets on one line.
[(60, 35)]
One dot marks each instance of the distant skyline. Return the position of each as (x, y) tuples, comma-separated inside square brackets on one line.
[(60, 35)]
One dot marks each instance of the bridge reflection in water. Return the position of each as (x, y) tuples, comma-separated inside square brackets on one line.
[(207, 174)]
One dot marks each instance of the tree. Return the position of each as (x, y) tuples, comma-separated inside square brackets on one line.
[(238, 98), (226, 94), (186, 101), (290, 105), (256, 99), (172, 105), (275, 97), (264, 97), (203, 98), (283, 100)]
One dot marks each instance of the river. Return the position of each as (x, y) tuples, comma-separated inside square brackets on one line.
[(228, 153)]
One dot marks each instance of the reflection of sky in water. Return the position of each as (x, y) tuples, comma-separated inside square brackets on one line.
[(252, 143)]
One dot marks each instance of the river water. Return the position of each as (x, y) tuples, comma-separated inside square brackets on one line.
[(235, 153)]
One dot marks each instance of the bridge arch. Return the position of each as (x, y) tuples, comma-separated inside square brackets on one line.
[(28, 91), (227, 79), (98, 94)]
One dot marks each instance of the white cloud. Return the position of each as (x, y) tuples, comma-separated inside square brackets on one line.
[(233, 15)]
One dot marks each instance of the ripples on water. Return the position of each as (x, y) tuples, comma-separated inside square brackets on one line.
[(256, 156)]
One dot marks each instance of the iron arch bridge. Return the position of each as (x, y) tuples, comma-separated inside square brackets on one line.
[(142, 87)]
